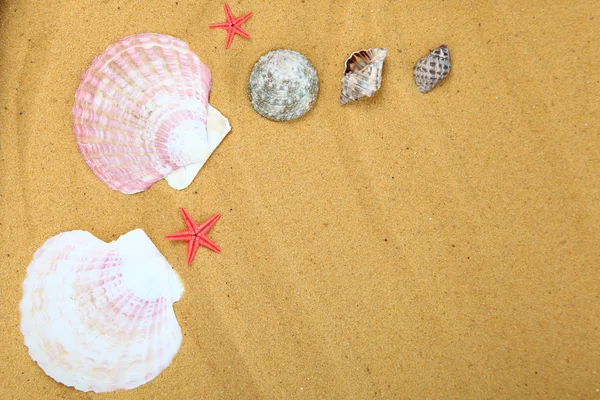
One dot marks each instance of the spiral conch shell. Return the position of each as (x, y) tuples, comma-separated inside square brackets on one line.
[(362, 74), (283, 85), (98, 316), (430, 71), (141, 114)]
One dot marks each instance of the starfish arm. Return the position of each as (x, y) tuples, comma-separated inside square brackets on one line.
[(209, 244), (188, 220), (204, 227), (192, 248), (230, 35), (241, 32), (181, 236), (242, 19), (223, 25), (228, 13)]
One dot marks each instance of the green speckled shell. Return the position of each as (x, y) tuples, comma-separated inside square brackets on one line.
[(283, 85)]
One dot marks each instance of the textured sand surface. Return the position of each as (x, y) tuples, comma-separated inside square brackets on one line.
[(406, 246)]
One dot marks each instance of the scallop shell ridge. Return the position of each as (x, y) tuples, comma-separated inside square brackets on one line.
[(98, 316), (283, 85)]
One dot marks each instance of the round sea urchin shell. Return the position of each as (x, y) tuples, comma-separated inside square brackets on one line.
[(98, 316), (283, 85)]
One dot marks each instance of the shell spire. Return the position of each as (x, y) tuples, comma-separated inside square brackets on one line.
[(431, 70), (362, 74)]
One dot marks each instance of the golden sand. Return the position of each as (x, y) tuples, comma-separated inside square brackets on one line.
[(405, 246)]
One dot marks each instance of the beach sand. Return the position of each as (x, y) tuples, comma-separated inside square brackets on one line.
[(404, 246)]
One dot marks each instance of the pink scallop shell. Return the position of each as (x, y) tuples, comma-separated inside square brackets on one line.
[(140, 111)]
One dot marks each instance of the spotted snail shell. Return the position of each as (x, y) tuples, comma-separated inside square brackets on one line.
[(283, 85), (362, 75), (430, 71)]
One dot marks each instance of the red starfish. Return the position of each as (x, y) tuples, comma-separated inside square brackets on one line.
[(232, 25), (196, 235)]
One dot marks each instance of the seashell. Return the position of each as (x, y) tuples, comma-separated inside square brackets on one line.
[(430, 71), (141, 114), (98, 316), (362, 74), (283, 85)]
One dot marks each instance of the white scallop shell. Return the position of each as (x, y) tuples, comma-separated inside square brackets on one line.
[(98, 316), (141, 113)]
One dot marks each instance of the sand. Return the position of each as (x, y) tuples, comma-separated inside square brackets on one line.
[(405, 246)]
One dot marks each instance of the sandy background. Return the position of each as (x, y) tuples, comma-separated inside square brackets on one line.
[(406, 246)]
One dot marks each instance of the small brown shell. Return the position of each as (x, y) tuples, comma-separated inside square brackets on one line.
[(430, 71), (362, 75)]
